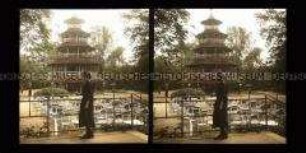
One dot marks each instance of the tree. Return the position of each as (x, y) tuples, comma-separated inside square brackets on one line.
[(163, 67), (239, 42), (33, 73), (36, 44), (42, 51), (273, 29), (101, 38), (252, 61), (170, 33), (170, 30), (138, 31), (33, 29), (116, 57)]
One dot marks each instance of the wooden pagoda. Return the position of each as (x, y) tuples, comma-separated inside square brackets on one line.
[(73, 56), (211, 55)]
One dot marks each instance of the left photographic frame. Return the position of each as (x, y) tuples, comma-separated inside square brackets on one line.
[(82, 79)]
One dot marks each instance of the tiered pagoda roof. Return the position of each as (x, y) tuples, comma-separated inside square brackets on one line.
[(75, 59), (83, 47), (73, 32), (211, 52), (75, 49), (73, 56), (74, 20), (211, 33), (211, 21)]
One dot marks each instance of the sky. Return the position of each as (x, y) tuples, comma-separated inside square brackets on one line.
[(110, 18), (230, 17)]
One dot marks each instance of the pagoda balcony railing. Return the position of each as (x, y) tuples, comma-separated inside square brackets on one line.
[(212, 55), (68, 73), (62, 75), (212, 41), (204, 59), (75, 58), (217, 48), (208, 57), (77, 55), (215, 44), (74, 41)]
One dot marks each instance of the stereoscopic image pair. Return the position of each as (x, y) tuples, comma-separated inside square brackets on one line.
[(85, 76)]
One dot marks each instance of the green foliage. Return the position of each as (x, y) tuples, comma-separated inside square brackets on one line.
[(252, 60), (238, 40), (115, 58), (42, 51), (34, 74), (37, 47), (163, 66), (34, 132), (138, 31), (169, 29), (33, 28), (101, 38), (49, 92), (170, 32), (273, 29), (188, 92)]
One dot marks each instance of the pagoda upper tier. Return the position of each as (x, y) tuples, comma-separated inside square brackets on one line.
[(74, 32), (74, 39), (211, 53), (74, 48), (211, 39), (211, 21)]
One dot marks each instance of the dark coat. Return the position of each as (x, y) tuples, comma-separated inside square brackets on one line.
[(86, 116), (220, 116)]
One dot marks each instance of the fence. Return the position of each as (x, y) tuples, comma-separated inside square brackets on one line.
[(174, 117), (55, 116)]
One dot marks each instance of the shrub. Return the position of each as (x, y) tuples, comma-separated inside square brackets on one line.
[(48, 92)]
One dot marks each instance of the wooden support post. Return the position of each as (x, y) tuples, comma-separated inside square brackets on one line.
[(266, 112), (132, 111), (182, 118), (166, 106), (48, 114)]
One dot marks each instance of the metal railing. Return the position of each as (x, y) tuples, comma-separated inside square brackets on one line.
[(55, 116), (261, 113), (75, 58)]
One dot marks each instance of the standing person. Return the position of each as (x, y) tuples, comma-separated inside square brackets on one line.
[(220, 116), (86, 115)]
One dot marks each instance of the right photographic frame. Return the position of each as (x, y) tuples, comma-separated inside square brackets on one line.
[(219, 76)]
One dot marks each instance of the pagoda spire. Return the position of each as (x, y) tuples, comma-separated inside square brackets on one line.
[(211, 13)]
